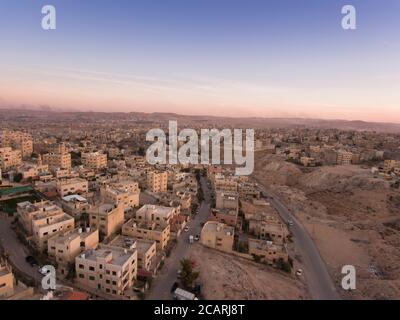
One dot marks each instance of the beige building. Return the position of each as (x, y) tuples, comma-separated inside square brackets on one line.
[(64, 248), (227, 200), (42, 220), (157, 181), (147, 230), (57, 160), (94, 160), (159, 214), (6, 281), (108, 218), (227, 184), (344, 157), (308, 161), (126, 193), (9, 158), (72, 186), (18, 140), (389, 165), (268, 251), (271, 229), (218, 236), (110, 269), (146, 250)]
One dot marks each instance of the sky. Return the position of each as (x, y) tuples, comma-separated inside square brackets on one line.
[(239, 58)]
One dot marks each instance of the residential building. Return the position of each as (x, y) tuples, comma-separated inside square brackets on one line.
[(218, 236), (268, 251), (107, 217), (157, 181), (148, 230), (159, 214), (126, 193), (42, 220), (94, 160), (72, 186), (9, 158), (6, 281), (344, 157), (110, 269), (64, 248), (146, 250), (57, 160), (227, 200), (17, 140)]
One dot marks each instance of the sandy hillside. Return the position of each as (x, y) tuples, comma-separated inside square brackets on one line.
[(354, 218), (242, 279)]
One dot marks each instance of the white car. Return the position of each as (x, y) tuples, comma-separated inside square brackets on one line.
[(196, 237), (299, 272), (290, 222), (186, 229)]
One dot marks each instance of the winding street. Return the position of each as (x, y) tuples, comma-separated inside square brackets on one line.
[(319, 281)]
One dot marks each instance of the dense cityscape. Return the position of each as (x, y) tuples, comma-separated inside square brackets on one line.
[(77, 193)]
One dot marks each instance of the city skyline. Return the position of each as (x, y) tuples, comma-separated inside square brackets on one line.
[(229, 58)]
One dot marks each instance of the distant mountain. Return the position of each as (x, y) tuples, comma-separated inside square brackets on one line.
[(250, 122)]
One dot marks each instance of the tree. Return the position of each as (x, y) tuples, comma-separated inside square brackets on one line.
[(188, 275), (18, 177)]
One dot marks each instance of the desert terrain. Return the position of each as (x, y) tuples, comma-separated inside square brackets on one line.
[(242, 279), (353, 217)]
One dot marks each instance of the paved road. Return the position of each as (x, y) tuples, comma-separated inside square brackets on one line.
[(318, 279), (163, 283), (16, 250)]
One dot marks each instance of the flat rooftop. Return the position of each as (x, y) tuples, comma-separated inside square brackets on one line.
[(113, 255)]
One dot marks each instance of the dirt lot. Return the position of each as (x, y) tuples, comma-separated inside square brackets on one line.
[(242, 279), (353, 217)]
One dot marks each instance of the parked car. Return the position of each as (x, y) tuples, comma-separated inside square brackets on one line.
[(196, 237), (31, 260), (186, 229), (299, 272)]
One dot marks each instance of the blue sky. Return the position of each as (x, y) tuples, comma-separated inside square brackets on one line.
[(224, 57)]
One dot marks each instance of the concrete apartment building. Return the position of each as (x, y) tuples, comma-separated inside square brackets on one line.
[(271, 230), (226, 216), (344, 157), (157, 181), (222, 183), (227, 200), (110, 269), (125, 193), (268, 251), (94, 160), (17, 140), (64, 248), (218, 236), (161, 215), (146, 250), (6, 281), (75, 205), (57, 160), (108, 218), (72, 186), (59, 148), (389, 165), (148, 230), (42, 220), (9, 158)]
